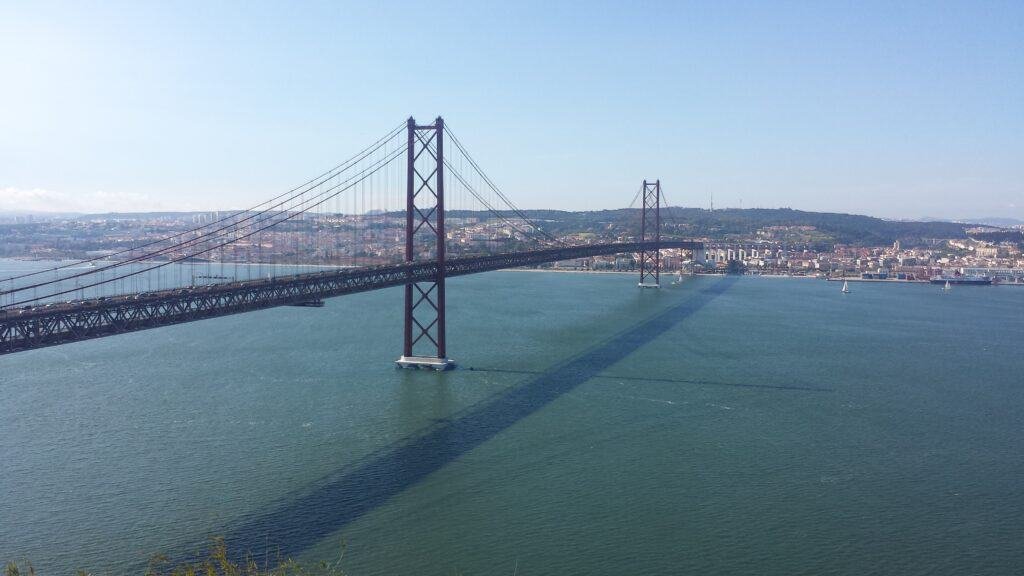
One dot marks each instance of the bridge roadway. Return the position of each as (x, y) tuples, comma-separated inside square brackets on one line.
[(53, 324)]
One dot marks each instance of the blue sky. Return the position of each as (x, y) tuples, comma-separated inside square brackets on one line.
[(894, 109)]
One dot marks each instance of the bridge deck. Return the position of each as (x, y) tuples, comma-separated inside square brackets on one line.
[(55, 324)]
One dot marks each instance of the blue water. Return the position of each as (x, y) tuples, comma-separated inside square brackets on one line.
[(727, 426)]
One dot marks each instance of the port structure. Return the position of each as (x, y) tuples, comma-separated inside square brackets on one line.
[(424, 344), (650, 229)]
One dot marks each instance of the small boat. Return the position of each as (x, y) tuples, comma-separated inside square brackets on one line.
[(846, 287), (947, 287)]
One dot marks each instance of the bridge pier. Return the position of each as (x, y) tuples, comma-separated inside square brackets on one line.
[(424, 216), (425, 363), (650, 217)]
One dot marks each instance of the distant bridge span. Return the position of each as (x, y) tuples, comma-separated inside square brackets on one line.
[(64, 323)]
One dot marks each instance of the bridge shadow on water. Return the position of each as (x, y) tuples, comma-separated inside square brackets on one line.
[(675, 381), (294, 526)]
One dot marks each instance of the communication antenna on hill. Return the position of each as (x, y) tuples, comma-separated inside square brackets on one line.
[(712, 201)]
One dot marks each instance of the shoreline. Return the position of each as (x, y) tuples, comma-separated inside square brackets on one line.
[(779, 276), (564, 271), (898, 281), (557, 270), (892, 280)]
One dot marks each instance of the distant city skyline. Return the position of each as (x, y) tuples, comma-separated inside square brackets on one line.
[(895, 111)]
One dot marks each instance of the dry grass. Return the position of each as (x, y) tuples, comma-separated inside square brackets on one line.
[(216, 562)]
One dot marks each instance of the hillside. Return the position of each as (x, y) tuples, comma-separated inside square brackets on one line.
[(831, 228), (818, 229)]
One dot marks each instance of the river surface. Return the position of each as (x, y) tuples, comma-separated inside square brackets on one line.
[(722, 426)]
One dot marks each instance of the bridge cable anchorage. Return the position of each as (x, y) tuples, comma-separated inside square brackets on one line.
[(281, 216), (650, 217), (425, 299), (230, 217)]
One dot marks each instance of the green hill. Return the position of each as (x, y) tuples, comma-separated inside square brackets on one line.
[(830, 228)]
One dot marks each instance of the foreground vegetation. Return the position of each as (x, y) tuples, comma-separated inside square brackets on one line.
[(217, 562)]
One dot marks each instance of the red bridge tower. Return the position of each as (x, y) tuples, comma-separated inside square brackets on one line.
[(650, 229), (424, 345)]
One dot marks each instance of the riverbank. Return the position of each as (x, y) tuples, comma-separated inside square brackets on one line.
[(890, 280), (562, 270), (928, 281)]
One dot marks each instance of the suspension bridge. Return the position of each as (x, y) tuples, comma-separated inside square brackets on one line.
[(411, 209)]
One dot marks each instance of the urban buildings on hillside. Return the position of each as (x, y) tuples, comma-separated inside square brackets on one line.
[(368, 239)]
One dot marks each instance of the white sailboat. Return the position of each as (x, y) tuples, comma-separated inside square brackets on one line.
[(846, 287), (947, 287)]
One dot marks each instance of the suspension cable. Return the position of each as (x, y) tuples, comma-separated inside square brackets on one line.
[(341, 187), (234, 225), (495, 188), (668, 209), (322, 177), (458, 176)]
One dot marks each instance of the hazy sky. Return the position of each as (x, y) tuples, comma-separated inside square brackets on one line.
[(895, 109)]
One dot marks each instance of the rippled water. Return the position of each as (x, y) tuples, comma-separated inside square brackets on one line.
[(727, 425)]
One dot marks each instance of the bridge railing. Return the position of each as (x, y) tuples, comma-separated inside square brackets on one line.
[(49, 325)]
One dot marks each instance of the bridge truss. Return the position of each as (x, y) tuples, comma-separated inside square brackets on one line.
[(67, 323), (650, 227), (340, 225)]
